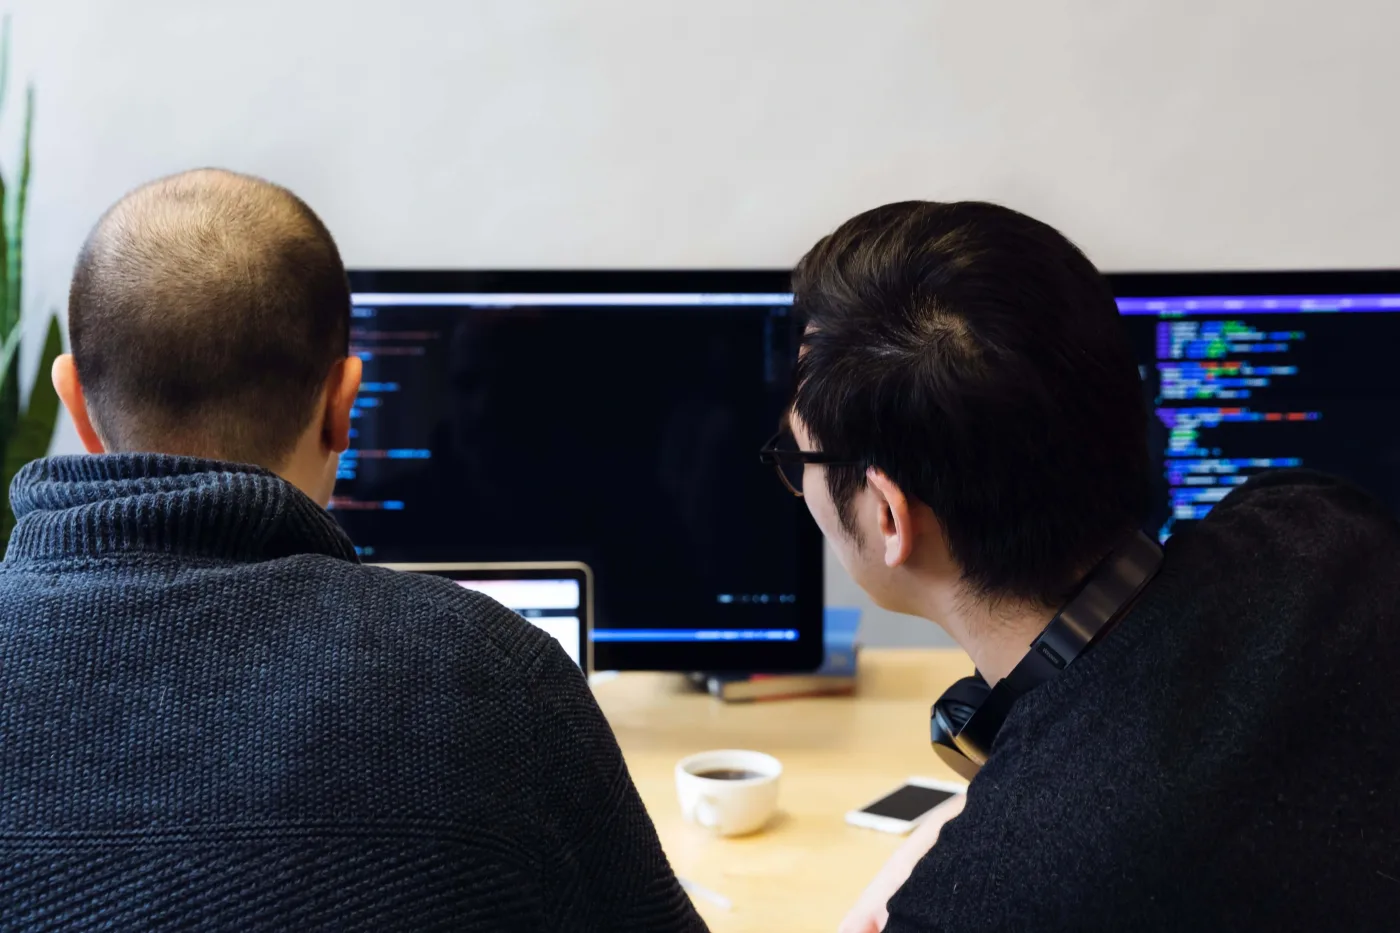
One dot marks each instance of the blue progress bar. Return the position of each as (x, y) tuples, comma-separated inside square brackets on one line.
[(704, 634)]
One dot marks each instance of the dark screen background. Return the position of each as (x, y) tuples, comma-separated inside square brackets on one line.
[(624, 437), (908, 803)]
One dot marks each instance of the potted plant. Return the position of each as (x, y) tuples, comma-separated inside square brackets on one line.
[(25, 430)]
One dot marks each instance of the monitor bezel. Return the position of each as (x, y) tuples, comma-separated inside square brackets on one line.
[(622, 281), (1250, 282), (806, 652)]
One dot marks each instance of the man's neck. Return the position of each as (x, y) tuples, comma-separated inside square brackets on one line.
[(308, 479), (995, 637)]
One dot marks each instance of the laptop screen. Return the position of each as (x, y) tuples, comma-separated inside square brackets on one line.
[(552, 605)]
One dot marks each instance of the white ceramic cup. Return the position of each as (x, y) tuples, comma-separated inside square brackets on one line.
[(727, 806)]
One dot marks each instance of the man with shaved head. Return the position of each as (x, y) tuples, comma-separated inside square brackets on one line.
[(211, 715), (209, 316)]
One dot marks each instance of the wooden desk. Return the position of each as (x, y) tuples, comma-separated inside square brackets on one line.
[(806, 870)]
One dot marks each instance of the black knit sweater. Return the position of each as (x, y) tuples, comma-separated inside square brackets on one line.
[(212, 717), (1227, 759)]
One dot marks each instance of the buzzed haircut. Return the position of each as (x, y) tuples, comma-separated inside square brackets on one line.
[(207, 310)]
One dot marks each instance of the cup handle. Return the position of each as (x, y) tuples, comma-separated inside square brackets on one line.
[(707, 813)]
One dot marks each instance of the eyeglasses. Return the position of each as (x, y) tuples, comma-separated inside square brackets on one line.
[(782, 454)]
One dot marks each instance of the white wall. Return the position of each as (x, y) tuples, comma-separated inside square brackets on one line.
[(1186, 134)]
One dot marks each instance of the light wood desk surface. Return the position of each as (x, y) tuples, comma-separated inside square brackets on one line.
[(808, 867)]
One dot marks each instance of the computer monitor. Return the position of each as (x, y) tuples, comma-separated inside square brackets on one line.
[(1247, 372), (609, 418)]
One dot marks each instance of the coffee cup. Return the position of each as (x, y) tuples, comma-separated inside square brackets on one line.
[(729, 791)]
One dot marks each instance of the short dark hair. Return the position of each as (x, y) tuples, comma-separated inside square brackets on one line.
[(976, 356), (206, 312)]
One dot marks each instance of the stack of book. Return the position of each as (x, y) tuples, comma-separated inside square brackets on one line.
[(835, 677)]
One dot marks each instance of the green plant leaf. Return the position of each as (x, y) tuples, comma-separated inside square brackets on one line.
[(6, 321), (15, 238), (8, 349), (4, 58), (33, 432), (9, 391), (9, 388)]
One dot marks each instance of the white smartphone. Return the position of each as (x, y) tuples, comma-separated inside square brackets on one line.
[(905, 807)]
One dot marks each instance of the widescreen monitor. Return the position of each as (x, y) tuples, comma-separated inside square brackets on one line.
[(608, 418)]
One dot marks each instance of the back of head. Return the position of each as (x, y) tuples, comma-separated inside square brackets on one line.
[(205, 314), (976, 356)]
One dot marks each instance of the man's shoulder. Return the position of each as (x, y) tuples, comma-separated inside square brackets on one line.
[(1303, 507), (1273, 541), (1270, 620), (1286, 551), (420, 610)]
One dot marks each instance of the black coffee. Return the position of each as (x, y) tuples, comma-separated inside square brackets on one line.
[(728, 774)]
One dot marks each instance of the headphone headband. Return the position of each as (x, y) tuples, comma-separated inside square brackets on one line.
[(963, 728)]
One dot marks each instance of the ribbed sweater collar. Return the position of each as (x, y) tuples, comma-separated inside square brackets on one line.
[(119, 504)]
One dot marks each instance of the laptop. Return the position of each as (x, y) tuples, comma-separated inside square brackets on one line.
[(555, 597)]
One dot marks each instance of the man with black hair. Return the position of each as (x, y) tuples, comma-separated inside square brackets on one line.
[(211, 715), (970, 433)]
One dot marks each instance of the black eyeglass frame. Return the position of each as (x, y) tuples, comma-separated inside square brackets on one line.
[(776, 457)]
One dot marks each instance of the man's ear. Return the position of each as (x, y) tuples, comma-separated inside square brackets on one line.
[(896, 518), (70, 391), (342, 385)]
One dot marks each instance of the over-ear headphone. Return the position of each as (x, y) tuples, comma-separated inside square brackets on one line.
[(964, 722)]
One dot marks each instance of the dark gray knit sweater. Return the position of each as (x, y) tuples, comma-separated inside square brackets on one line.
[(1228, 758), (212, 717)]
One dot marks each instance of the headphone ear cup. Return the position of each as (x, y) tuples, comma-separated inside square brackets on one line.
[(961, 700), (948, 717)]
